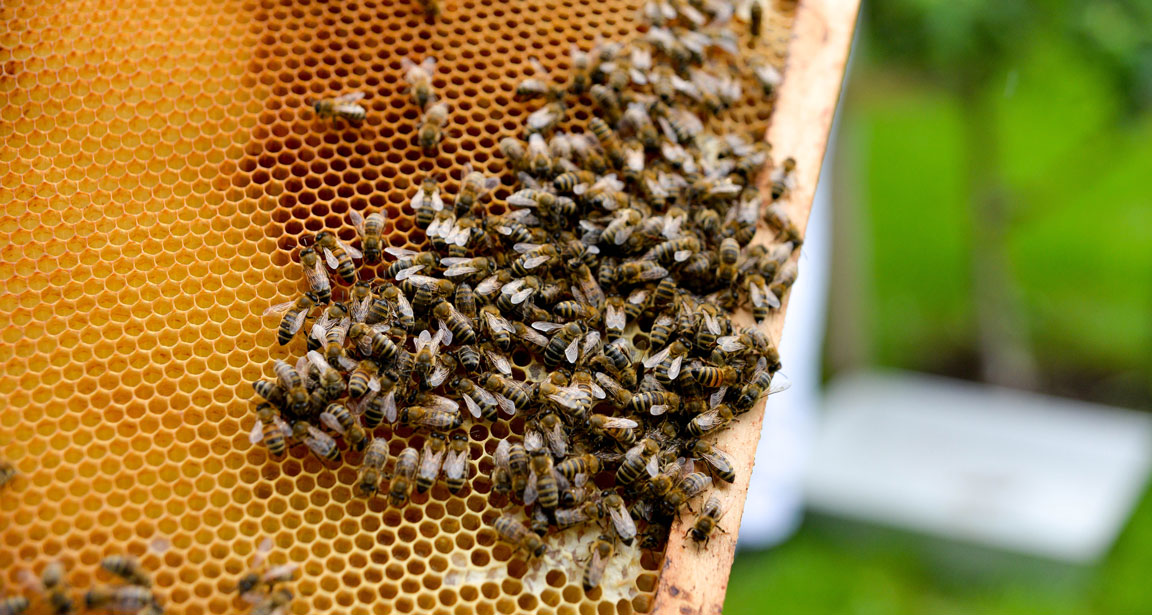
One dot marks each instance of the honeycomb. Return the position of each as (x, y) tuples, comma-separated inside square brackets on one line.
[(160, 166)]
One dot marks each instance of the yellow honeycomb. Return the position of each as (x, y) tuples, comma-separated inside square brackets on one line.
[(160, 165)]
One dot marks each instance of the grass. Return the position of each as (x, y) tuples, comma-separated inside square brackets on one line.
[(827, 568)]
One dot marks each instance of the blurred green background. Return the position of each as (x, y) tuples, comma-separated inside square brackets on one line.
[(993, 222)]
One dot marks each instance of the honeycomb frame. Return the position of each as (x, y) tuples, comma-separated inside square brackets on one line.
[(149, 212)]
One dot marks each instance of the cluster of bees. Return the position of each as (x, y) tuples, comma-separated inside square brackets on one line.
[(134, 595), (622, 253)]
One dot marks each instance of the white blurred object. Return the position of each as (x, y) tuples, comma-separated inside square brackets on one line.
[(775, 493), (1013, 470)]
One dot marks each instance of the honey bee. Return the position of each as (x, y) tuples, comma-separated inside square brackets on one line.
[(508, 395), (496, 326), (321, 444), (431, 461), (546, 117), (431, 127), (338, 255), (296, 396), (13, 605), (518, 468), (583, 464), (407, 464), (270, 429), (568, 517), (755, 21), (602, 550), (719, 461), (675, 250), (514, 532), (533, 87), (710, 421), (427, 348), (514, 151), (707, 521), (337, 418), (127, 568), (455, 322), (713, 377), (419, 78), (768, 76), (371, 230), (473, 187), (692, 485), (431, 8), (372, 468), (456, 463), (294, 314), (554, 434), (580, 65), (564, 344), (119, 599), (344, 106), (432, 418), (427, 290), (609, 141), (427, 203), (539, 160), (668, 361), (619, 429), (543, 484), (502, 468), (316, 276), (363, 379), (275, 603), (622, 522), (638, 460), (784, 280), (636, 272), (53, 584), (371, 343), (7, 472), (469, 267)]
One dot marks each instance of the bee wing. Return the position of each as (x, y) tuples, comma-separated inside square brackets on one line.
[(437, 201), (780, 383), (353, 252), (717, 459), (374, 384), (500, 457), (459, 269), (472, 407), (623, 523), (331, 259), (653, 466), (522, 198), (718, 396), (408, 272), (531, 492), (317, 277), (533, 262), (445, 404), (500, 362), (535, 338), (303, 371), (438, 376), (572, 352), (597, 392), (423, 340), (330, 422), (280, 307), (348, 98), (283, 571), (729, 343), (497, 323), (456, 464), (616, 422), (658, 409), (256, 436), (655, 359), (533, 440), (447, 332), (614, 317), (485, 396), (389, 404), (653, 273), (298, 322), (507, 405), (590, 342), (545, 326), (674, 368), (521, 296), (556, 442), (357, 221), (318, 360)]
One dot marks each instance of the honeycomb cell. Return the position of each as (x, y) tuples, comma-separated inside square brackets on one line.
[(161, 166)]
